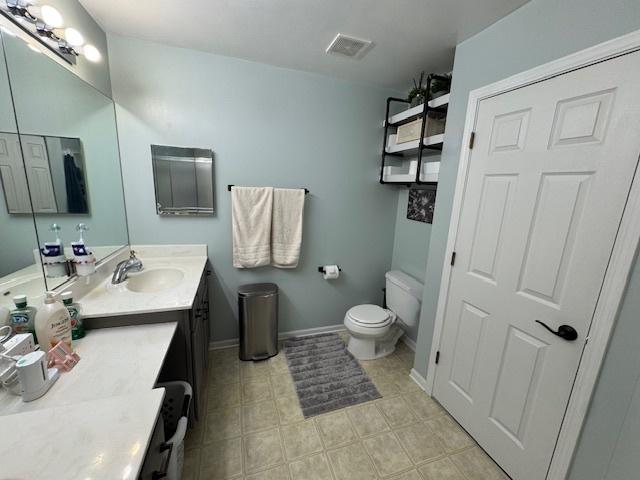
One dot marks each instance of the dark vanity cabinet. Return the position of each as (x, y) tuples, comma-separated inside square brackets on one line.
[(187, 357), (199, 344)]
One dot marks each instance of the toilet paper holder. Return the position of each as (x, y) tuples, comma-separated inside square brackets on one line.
[(321, 269)]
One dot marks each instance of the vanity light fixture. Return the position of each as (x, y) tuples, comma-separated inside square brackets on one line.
[(51, 16), (73, 37), (45, 23), (92, 53)]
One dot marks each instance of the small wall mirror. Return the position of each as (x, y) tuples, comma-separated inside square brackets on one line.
[(183, 179)]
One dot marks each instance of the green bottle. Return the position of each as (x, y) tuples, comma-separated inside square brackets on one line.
[(23, 316), (77, 328)]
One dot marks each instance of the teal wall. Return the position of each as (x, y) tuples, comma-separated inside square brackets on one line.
[(538, 32), (610, 441), (74, 14), (266, 126), (411, 242), (410, 246)]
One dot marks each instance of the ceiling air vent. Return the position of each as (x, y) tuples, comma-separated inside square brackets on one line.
[(349, 46)]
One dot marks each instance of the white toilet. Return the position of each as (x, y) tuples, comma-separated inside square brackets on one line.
[(373, 330)]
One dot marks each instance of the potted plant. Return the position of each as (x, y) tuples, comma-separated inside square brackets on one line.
[(418, 94), (440, 86)]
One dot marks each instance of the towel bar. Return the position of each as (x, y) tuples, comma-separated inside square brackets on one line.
[(306, 190)]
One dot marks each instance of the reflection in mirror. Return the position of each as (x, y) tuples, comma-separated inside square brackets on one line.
[(55, 172), (70, 148), (20, 272), (12, 174), (183, 180)]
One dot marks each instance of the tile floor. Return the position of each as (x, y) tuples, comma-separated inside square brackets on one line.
[(254, 430)]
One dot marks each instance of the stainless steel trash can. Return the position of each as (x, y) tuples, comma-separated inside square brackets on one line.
[(258, 312)]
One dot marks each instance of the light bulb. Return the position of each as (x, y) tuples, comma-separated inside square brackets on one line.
[(92, 53), (51, 16), (73, 37)]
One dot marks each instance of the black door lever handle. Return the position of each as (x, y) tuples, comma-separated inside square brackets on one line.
[(564, 331)]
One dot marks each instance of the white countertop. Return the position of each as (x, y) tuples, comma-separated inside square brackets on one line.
[(101, 439), (96, 421), (27, 281), (107, 300), (113, 362)]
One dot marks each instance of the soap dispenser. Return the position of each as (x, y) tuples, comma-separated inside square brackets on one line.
[(35, 377), (83, 259), (53, 257), (53, 323)]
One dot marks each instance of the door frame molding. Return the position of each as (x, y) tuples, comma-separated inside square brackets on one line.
[(618, 270)]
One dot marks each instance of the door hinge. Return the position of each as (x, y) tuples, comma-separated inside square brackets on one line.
[(453, 258), (472, 139), (437, 357)]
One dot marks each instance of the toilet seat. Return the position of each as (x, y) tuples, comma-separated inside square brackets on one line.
[(370, 316), (373, 331)]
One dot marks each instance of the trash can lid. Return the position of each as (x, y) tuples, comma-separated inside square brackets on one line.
[(254, 289)]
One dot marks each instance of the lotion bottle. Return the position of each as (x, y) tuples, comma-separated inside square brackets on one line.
[(53, 323)]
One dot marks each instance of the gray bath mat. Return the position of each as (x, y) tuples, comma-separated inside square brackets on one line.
[(326, 375)]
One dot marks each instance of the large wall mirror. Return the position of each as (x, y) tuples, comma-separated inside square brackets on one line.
[(59, 170), (18, 241)]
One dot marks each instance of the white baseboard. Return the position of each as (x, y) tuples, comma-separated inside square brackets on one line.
[(409, 343), (419, 379), (312, 331), (234, 342)]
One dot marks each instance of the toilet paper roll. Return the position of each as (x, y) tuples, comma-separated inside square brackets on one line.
[(331, 272)]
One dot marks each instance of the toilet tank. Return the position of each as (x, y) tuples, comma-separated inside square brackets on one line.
[(404, 296)]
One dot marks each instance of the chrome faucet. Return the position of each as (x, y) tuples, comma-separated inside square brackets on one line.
[(132, 264)]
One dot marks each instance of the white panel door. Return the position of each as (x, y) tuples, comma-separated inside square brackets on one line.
[(14, 179), (548, 179), (36, 162)]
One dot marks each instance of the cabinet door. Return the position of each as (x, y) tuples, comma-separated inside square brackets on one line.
[(197, 356), (156, 456), (206, 337)]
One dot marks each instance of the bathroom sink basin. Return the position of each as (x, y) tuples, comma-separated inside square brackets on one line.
[(154, 280)]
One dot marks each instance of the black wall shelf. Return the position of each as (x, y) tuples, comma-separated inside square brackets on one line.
[(419, 149)]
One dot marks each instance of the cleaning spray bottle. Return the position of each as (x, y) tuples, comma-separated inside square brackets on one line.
[(53, 323)]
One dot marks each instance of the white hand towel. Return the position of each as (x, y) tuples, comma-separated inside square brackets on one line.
[(251, 211), (286, 228)]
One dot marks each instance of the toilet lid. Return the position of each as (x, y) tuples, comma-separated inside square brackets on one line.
[(369, 314)]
